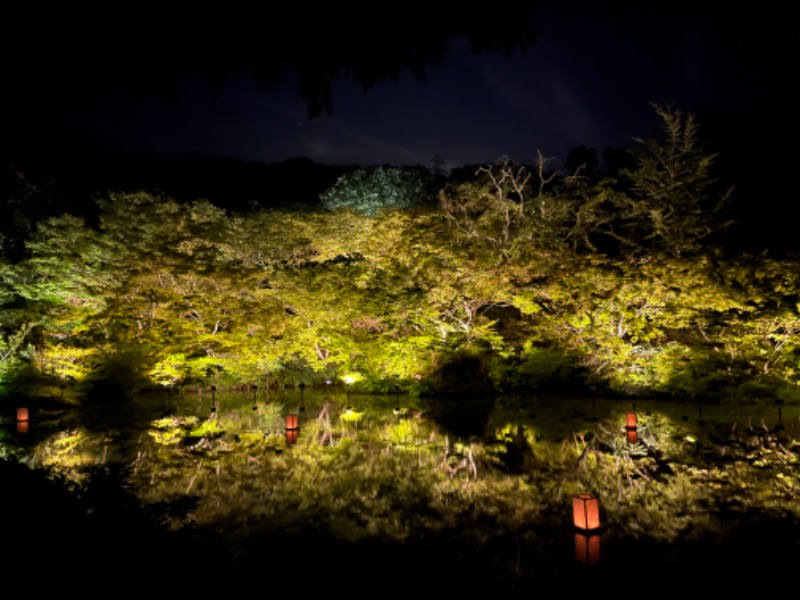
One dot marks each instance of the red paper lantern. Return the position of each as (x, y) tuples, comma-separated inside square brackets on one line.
[(586, 512), (22, 414), (587, 548), (633, 436), (22, 426), (291, 421), (630, 420), (291, 436)]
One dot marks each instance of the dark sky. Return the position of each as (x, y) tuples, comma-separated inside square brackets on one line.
[(588, 80)]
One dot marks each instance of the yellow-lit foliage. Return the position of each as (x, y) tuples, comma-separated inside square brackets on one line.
[(209, 426), (69, 451), (351, 416), (309, 295), (68, 362), (170, 370), (171, 430), (401, 433)]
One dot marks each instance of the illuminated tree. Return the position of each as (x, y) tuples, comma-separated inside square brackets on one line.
[(65, 284), (379, 188), (672, 202), (176, 294)]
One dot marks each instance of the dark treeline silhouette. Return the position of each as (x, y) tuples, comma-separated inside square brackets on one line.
[(72, 181), (61, 57), (754, 155)]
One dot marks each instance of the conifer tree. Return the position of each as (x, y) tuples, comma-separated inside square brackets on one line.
[(672, 205)]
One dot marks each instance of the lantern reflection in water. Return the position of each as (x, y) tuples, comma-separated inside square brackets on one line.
[(22, 420), (632, 436), (631, 423), (587, 548), (586, 512), (292, 428)]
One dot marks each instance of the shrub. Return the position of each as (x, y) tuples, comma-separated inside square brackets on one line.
[(379, 188)]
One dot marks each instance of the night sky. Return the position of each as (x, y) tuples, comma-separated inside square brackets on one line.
[(588, 79)]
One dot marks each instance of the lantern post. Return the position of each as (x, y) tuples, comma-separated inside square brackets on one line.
[(586, 512)]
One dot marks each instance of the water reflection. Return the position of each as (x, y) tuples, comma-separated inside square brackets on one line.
[(495, 490), (587, 547)]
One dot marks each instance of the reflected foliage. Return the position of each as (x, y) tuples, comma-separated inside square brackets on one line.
[(395, 481)]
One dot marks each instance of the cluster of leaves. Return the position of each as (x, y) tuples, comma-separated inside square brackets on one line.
[(377, 188), (504, 278), (662, 199)]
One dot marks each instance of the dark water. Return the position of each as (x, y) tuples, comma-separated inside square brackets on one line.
[(377, 495)]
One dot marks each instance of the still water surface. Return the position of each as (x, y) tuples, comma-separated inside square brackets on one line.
[(438, 493)]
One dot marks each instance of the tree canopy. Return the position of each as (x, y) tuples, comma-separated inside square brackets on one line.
[(503, 285)]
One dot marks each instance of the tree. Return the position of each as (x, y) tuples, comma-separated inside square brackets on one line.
[(378, 188), (582, 162), (506, 208), (672, 204)]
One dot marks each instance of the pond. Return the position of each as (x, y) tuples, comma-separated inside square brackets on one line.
[(323, 491)]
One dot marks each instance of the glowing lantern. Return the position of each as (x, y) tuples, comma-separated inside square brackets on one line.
[(22, 414), (291, 436), (291, 422), (587, 548), (586, 512), (22, 426)]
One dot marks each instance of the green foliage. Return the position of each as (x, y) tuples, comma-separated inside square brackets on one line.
[(462, 373), (207, 427), (500, 211), (499, 287), (672, 204), (117, 373), (667, 201), (378, 188), (545, 368), (11, 352)]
